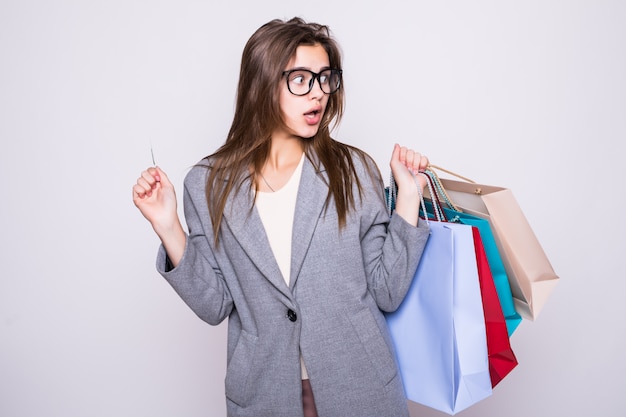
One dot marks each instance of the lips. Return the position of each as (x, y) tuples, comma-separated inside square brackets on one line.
[(313, 116)]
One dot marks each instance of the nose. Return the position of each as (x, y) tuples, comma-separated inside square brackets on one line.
[(316, 90)]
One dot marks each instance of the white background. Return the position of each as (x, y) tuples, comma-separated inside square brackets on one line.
[(529, 95)]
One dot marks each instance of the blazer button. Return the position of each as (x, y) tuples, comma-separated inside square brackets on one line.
[(291, 315)]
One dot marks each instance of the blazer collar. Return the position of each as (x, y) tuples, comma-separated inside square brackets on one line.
[(247, 227)]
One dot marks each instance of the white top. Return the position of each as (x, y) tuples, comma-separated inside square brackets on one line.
[(276, 210)]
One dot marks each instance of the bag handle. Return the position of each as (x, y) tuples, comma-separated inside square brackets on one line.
[(451, 173), (392, 194), (422, 203), (441, 191), (434, 196)]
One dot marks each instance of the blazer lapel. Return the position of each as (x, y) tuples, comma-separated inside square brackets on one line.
[(312, 194), (247, 229)]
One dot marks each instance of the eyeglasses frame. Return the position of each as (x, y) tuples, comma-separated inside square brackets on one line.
[(315, 76)]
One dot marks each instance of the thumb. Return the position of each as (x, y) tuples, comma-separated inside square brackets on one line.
[(395, 155), (162, 177)]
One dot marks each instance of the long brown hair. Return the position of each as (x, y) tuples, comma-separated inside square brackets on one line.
[(258, 115)]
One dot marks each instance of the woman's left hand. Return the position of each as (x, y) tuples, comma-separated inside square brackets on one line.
[(405, 164)]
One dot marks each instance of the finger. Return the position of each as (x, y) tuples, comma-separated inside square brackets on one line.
[(416, 161), (146, 187), (410, 160), (156, 173), (424, 163), (151, 176), (139, 191), (403, 155), (147, 184)]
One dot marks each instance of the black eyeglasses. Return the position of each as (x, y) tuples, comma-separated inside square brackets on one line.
[(300, 81)]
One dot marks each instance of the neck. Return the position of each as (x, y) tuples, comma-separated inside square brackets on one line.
[(285, 153)]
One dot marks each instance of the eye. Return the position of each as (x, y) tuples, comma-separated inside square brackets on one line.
[(297, 77)]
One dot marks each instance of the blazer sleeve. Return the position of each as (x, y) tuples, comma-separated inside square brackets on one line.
[(197, 278), (391, 247)]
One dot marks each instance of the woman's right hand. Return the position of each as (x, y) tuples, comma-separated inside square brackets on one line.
[(154, 196)]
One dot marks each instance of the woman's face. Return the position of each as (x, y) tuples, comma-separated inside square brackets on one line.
[(303, 114)]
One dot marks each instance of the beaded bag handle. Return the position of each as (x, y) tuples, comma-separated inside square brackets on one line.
[(421, 194), (434, 199), (440, 190), (392, 194)]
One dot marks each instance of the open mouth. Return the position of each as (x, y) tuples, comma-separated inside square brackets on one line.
[(313, 116)]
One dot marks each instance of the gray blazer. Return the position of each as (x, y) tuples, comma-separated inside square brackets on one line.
[(330, 313)]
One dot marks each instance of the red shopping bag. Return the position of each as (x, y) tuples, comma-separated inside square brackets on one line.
[(502, 360)]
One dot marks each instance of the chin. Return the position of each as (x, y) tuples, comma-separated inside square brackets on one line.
[(304, 131), (309, 133)]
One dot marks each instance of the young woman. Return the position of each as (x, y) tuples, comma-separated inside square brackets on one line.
[(289, 238)]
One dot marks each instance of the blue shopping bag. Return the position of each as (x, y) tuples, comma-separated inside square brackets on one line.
[(500, 277), (439, 329)]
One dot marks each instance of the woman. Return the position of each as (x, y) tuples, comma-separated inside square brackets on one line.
[(289, 238)]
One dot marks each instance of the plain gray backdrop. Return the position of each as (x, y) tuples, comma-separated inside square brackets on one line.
[(530, 95)]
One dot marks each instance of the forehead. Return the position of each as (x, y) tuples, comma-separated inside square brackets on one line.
[(313, 57)]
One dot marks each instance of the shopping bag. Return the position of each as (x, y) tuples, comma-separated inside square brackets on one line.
[(502, 360), (439, 329), (531, 276), (498, 272)]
